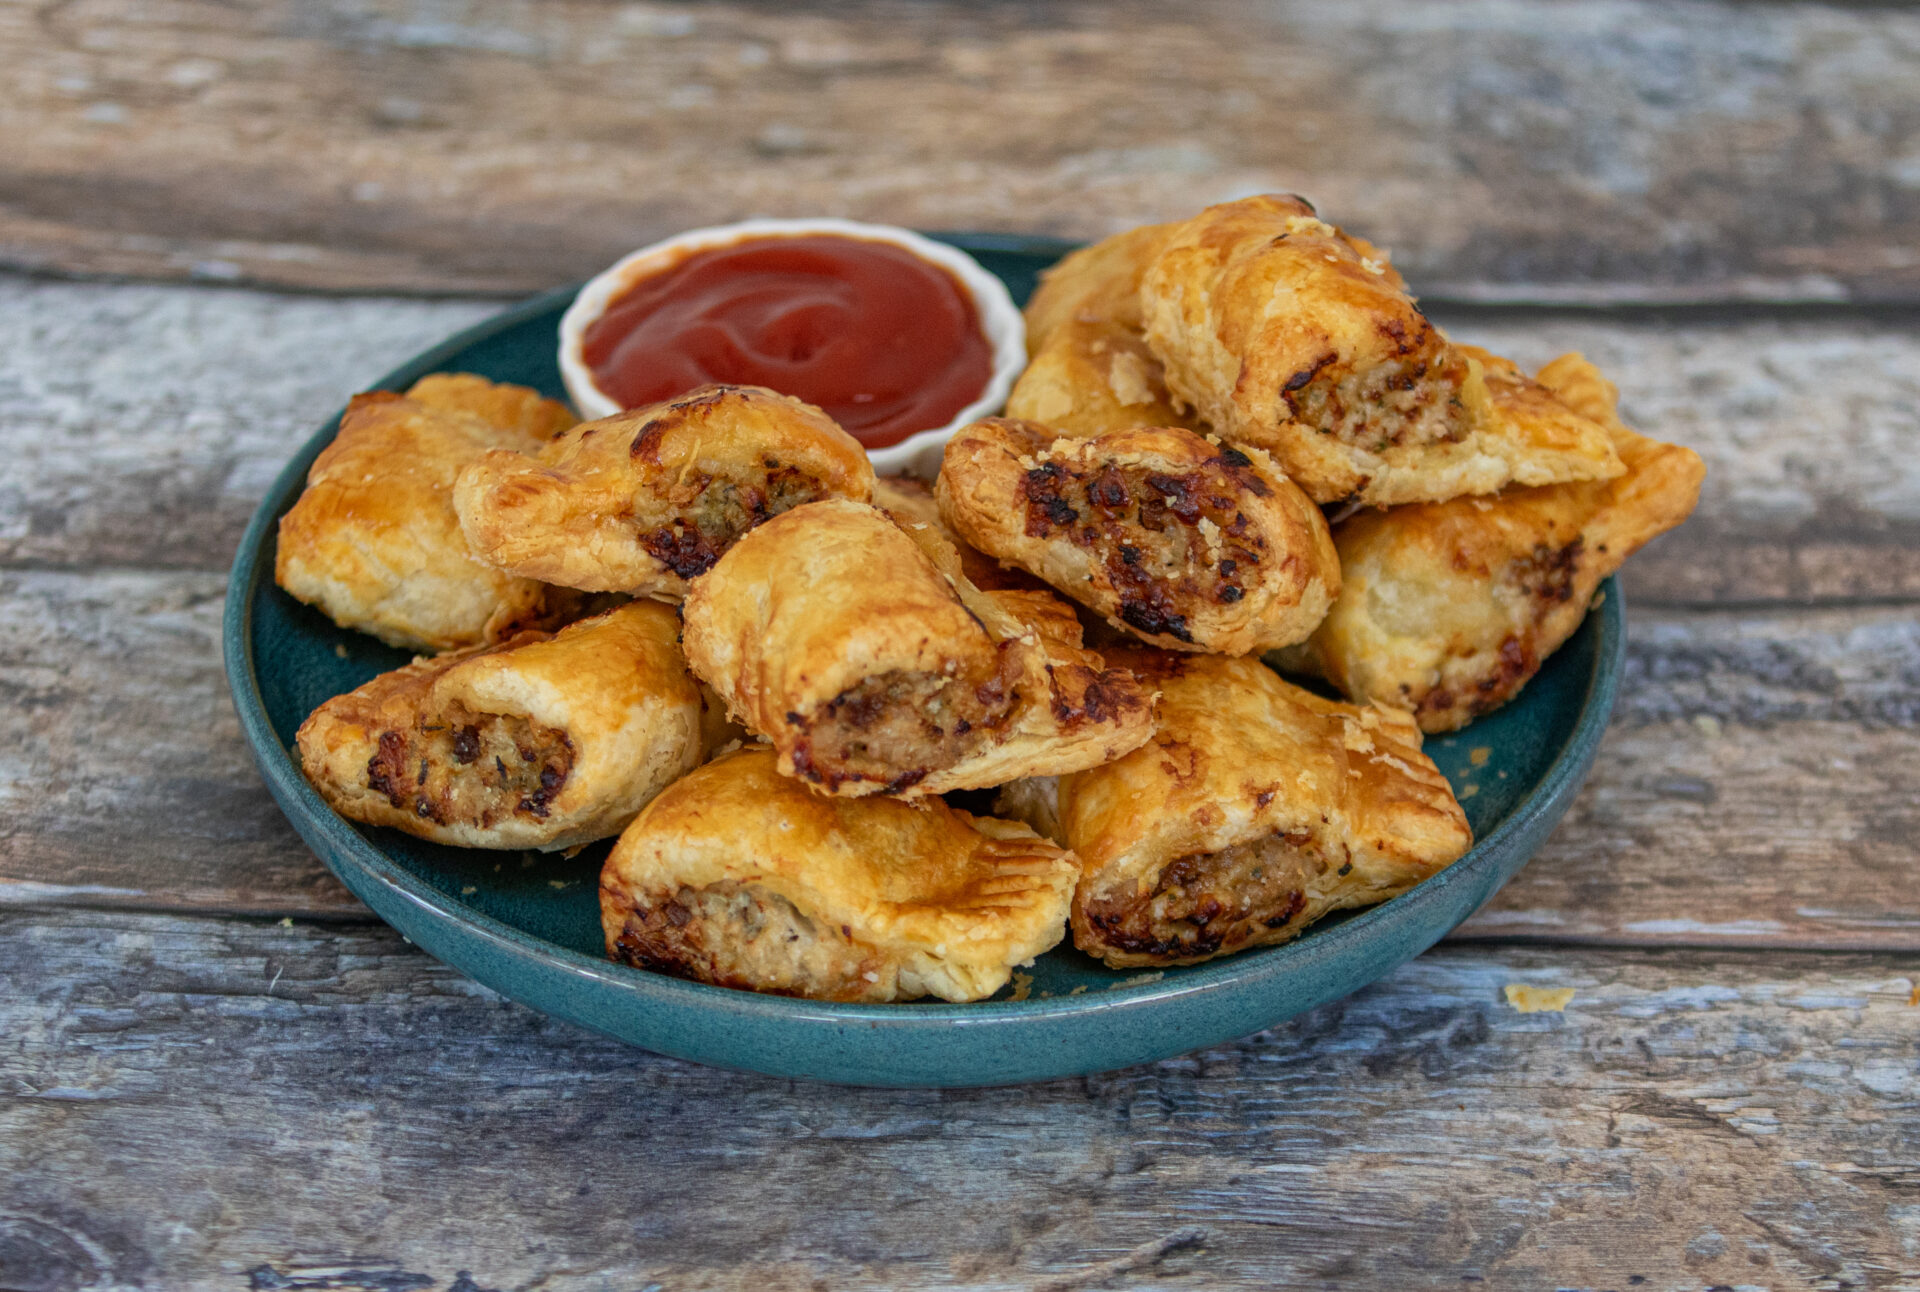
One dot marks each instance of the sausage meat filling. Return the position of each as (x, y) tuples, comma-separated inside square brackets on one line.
[(1211, 903), (1167, 541), (467, 768), (896, 728), (742, 936), (715, 510), (1410, 400)]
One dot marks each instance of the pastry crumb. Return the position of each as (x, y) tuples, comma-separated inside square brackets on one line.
[(1537, 1000)]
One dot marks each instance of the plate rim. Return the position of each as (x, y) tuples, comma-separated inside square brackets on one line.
[(306, 810)]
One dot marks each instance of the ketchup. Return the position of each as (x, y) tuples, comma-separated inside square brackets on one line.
[(885, 342)]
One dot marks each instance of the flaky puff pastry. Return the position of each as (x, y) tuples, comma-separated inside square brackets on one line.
[(516, 409), (1285, 333), (742, 877), (544, 741), (1450, 608), (911, 504), (1177, 540), (644, 501), (1257, 808), (1089, 368), (373, 541), (872, 664)]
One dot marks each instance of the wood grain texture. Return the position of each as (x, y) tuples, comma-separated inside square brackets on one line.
[(1758, 785), (1761, 784), (1601, 150), (184, 1102), (141, 425), (124, 779)]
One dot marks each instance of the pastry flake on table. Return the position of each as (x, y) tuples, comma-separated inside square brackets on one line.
[(1182, 542), (743, 877), (1286, 333), (646, 500), (1450, 608), (1257, 808), (544, 741), (869, 660), (373, 541)]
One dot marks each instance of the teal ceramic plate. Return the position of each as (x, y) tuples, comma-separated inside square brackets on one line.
[(528, 925)]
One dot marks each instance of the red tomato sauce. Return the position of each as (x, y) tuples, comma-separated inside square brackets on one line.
[(885, 342)]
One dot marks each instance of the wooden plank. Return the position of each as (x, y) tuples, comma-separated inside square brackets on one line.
[(141, 426), (185, 1102), (154, 450), (1596, 151), (124, 780), (1758, 786), (1761, 785)]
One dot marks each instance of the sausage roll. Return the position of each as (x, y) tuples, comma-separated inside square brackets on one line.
[(863, 653), (1257, 808), (742, 877), (544, 741), (1089, 368), (1450, 608), (373, 541), (644, 501), (1186, 544), (1285, 333)]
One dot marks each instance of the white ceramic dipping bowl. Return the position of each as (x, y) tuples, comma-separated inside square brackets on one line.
[(918, 454)]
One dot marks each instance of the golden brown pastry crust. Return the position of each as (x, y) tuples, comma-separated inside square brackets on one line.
[(1179, 541), (1092, 377), (544, 741), (1089, 368), (910, 503), (862, 652), (642, 502), (1285, 333), (1257, 808), (373, 541), (1099, 282), (1450, 608), (516, 409), (740, 876)]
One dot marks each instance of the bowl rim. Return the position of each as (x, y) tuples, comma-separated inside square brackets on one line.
[(1000, 320), (1144, 990)]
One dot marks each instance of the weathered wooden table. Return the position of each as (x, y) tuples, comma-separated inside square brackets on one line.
[(217, 1070)]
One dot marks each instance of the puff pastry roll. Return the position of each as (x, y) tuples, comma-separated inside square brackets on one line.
[(373, 541), (742, 877), (540, 742), (863, 653), (1184, 543), (1089, 368), (1257, 808), (1450, 608), (1285, 333), (642, 502)]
